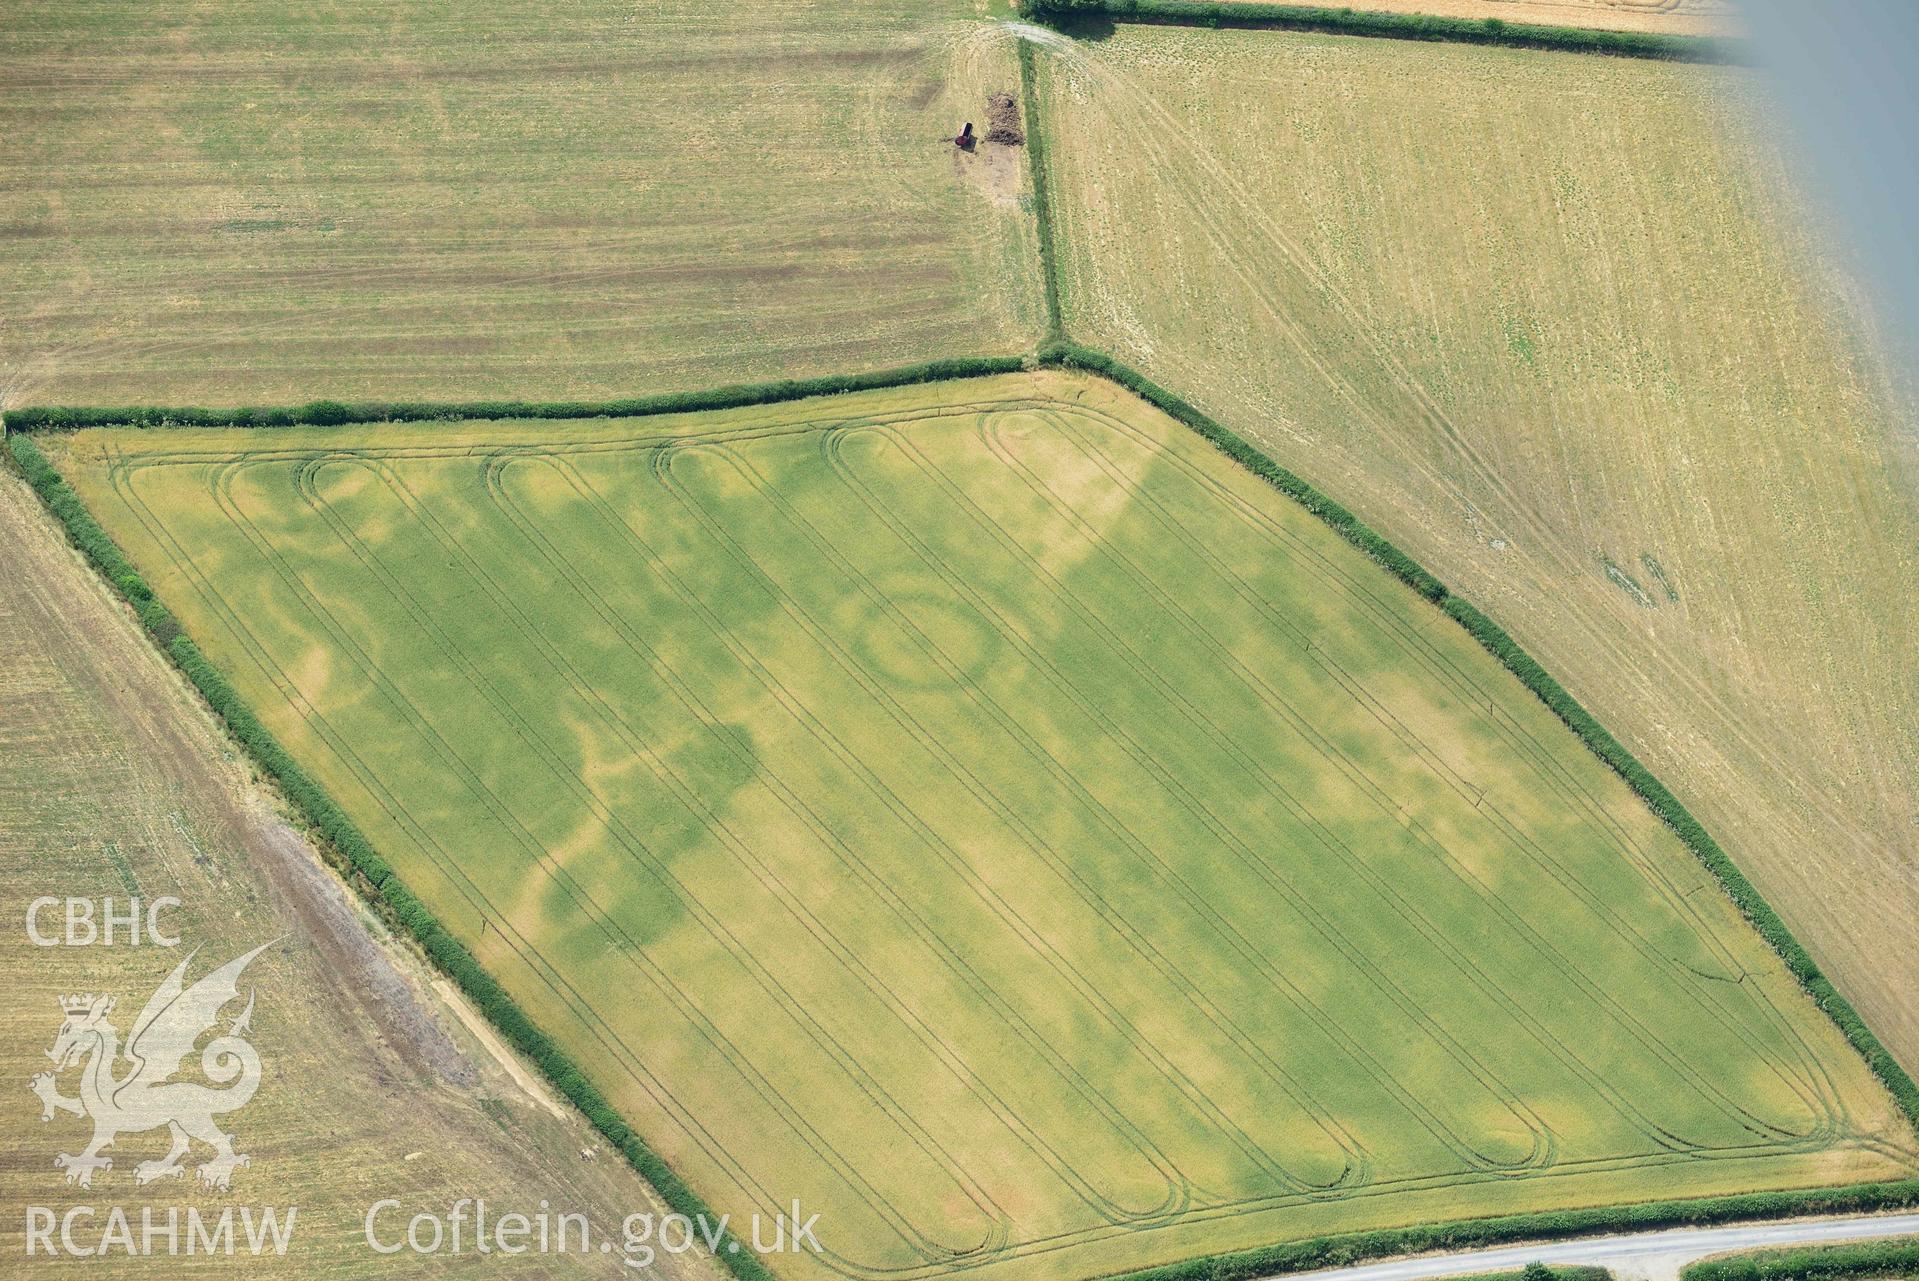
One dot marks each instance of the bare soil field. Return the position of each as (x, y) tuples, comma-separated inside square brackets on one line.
[(1595, 373), (269, 202), (114, 782)]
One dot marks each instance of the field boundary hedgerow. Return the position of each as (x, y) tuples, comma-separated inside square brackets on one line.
[(1042, 208), (1898, 1257), (333, 413), (377, 882), (1243, 15)]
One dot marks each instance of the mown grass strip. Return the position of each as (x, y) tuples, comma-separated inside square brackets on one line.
[(1395, 26), (1896, 1258), (349, 848), (1042, 208), (328, 413), (1548, 690)]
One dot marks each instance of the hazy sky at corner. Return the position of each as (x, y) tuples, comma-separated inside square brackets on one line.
[(1847, 74)]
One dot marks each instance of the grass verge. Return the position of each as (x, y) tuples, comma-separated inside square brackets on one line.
[(1895, 1258)]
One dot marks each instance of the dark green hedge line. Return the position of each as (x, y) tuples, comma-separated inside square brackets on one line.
[(345, 843), (1898, 1257), (1549, 691), (1042, 206), (1357, 1247), (94, 542), (333, 412), (1398, 26)]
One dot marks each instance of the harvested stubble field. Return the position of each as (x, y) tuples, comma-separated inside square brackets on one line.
[(1594, 372), (266, 201), (114, 781), (981, 811)]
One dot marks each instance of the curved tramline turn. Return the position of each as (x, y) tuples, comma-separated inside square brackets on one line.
[(983, 811)]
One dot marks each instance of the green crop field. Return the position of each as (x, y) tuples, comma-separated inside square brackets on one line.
[(1558, 327), (985, 813), (264, 200)]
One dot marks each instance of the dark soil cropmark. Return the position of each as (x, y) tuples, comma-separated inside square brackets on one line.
[(1002, 120)]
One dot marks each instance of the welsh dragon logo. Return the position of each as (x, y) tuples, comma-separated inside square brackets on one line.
[(142, 1097)]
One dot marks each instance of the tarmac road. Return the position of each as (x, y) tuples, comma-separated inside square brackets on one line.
[(1649, 1256)]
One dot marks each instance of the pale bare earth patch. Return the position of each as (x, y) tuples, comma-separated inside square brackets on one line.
[(490, 1041), (996, 171)]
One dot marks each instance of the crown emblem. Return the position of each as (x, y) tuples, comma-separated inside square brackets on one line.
[(146, 1095)]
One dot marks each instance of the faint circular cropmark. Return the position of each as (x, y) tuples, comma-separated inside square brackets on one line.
[(920, 637)]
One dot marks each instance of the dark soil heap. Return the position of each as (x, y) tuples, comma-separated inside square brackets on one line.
[(1002, 120)]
